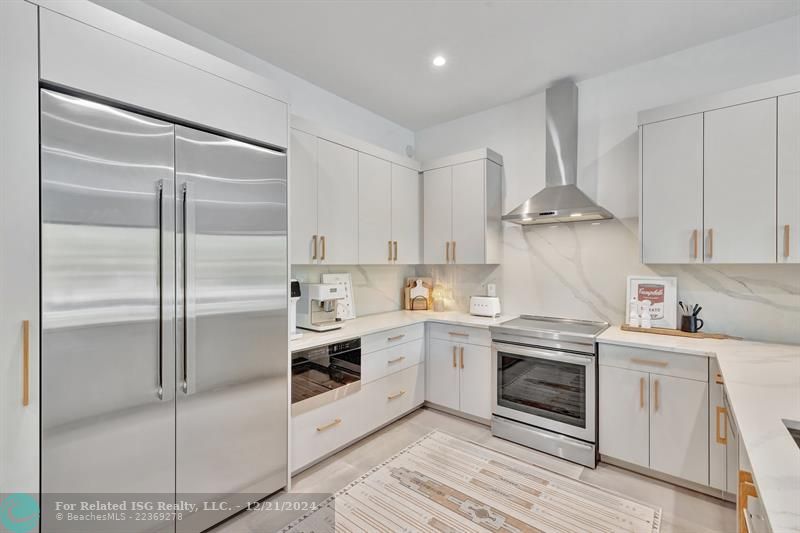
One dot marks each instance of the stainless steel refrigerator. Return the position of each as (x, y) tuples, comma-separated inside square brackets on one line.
[(164, 313)]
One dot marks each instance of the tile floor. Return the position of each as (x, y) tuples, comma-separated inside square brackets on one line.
[(684, 511)]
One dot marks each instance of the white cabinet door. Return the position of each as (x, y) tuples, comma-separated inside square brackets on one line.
[(672, 191), (437, 215), (679, 427), (19, 247), (374, 210), (469, 213), (303, 187), (624, 415), (407, 215), (475, 363), (740, 183), (717, 429), (337, 204), (442, 374), (789, 178)]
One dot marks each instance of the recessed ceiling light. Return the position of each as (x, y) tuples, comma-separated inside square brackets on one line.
[(439, 61)]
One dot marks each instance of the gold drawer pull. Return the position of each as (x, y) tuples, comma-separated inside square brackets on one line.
[(724, 412), (454, 356), (718, 379), (395, 395), (462, 357), (648, 362), (329, 425), (26, 355), (458, 334), (396, 337), (397, 359)]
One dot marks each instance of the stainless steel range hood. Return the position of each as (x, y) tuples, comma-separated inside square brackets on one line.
[(560, 200)]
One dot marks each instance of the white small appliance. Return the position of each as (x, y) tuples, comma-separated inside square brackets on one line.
[(316, 309), (294, 297), (484, 306)]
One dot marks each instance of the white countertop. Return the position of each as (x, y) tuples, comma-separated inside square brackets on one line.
[(763, 385), (394, 319)]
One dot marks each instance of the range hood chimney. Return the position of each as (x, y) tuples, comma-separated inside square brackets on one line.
[(560, 200)]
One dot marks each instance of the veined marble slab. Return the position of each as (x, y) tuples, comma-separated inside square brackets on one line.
[(365, 325), (763, 385)]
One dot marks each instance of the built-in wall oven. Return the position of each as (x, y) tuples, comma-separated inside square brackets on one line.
[(544, 385), (324, 374)]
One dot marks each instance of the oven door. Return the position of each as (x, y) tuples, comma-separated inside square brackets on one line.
[(548, 389)]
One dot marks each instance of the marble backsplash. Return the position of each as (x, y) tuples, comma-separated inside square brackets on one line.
[(580, 270)]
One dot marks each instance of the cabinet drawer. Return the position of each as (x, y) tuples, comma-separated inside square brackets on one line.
[(390, 360), (391, 337), (393, 395), (655, 361), (322, 430), (461, 334)]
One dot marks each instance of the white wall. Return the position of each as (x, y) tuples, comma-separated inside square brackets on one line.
[(305, 98), (579, 270)]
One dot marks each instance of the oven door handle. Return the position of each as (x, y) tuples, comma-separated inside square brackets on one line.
[(533, 353)]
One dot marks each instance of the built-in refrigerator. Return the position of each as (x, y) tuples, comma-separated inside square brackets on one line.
[(164, 314)]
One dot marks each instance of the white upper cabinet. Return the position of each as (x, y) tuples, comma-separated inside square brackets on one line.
[(720, 177), (789, 178), (337, 204), (303, 192), (438, 215), (406, 215), (740, 183), (672, 191), (462, 209), (375, 244)]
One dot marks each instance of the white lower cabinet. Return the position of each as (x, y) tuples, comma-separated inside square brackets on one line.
[(679, 427), (653, 411), (459, 373), (393, 396), (323, 430), (625, 415)]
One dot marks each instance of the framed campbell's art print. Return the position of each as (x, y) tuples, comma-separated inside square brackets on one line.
[(662, 293)]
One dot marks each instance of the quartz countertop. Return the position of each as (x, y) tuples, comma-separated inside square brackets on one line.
[(763, 385), (365, 325)]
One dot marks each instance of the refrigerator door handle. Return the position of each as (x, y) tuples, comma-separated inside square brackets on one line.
[(185, 284), (160, 196)]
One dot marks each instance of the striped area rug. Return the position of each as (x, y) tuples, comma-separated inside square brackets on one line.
[(446, 484)]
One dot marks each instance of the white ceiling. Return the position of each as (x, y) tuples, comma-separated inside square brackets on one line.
[(378, 54)]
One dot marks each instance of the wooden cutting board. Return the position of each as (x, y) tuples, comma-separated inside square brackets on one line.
[(678, 333)]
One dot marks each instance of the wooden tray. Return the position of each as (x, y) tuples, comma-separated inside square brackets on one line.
[(677, 333)]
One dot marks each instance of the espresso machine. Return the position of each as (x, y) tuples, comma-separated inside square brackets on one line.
[(316, 310)]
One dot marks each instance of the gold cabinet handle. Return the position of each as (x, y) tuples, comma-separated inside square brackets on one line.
[(454, 251), (648, 362), (454, 356), (462, 357), (747, 489), (395, 395), (710, 243), (447, 250), (721, 411), (26, 355), (397, 359), (395, 250), (322, 241), (641, 393), (694, 244), (314, 240), (718, 379), (396, 337), (329, 425), (655, 395), (786, 240), (458, 334), (390, 250)]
